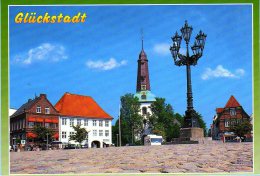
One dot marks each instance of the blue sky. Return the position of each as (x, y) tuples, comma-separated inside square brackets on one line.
[(98, 58)]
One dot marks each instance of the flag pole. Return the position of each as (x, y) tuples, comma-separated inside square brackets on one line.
[(119, 124)]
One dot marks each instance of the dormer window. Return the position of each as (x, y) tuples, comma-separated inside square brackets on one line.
[(233, 111), (47, 110), (38, 109)]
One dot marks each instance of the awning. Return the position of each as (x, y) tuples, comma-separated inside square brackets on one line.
[(35, 119), (56, 120), (30, 135), (48, 120), (39, 119), (31, 119)]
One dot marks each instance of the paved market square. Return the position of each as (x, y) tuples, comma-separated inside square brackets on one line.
[(183, 158)]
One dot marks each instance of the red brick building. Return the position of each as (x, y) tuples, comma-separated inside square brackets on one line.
[(37, 111), (232, 114)]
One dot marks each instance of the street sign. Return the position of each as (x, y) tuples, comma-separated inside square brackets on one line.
[(22, 142)]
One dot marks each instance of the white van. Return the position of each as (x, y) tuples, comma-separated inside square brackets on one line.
[(153, 139)]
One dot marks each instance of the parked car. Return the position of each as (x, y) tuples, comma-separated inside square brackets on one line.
[(70, 146), (84, 146), (56, 145)]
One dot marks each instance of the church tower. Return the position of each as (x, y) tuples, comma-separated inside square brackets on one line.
[(143, 81), (143, 88)]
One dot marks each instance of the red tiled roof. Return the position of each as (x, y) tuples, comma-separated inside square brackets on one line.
[(219, 110), (232, 102), (80, 106)]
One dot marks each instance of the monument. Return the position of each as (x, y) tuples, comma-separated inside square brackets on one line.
[(190, 129)]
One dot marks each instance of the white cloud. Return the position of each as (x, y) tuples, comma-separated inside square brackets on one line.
[(221, 72), (105, 65), (162, 49), (43, 52)]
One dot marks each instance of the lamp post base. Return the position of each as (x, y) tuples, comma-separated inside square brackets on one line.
[(190, 119)]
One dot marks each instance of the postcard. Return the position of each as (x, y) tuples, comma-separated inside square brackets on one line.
[(130, 88)]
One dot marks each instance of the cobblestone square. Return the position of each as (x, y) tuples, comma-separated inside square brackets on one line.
[(183, 158)]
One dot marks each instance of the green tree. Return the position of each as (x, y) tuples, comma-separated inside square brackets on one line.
[(41, 133), (179, 118), (131, 120), (163, 120), (80, 135), (126, 133), (242, 129), (201, 122)]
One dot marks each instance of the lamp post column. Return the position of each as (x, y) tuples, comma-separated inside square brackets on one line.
[(190, 119), (188, 113), (189, 89)]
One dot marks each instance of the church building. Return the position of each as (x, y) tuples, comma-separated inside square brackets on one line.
[(143, 88)]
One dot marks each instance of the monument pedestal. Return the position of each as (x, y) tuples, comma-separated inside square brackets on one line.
[(191, 134)]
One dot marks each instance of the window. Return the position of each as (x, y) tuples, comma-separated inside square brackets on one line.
[(143, 96), (78, 122), (24, 123), (85, 122), (239, 121), (31, 124), (101, 123), (38, 124), (53, 125), (107, 123), (233, 122), (143, 87), (72, 133), (107, 133), (144, 110), (100, 132), (38, 109), (20, 124), (94, 132), (47, 125), (63, 134), (47, 110), (227, 123), (94, 123), (71, 122), (233, 111), (64, 121)]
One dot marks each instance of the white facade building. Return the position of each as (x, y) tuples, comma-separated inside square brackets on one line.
[(84, 111), (98, 130)]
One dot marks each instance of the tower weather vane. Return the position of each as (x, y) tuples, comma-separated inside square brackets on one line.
[(142, 38), (190, 120)]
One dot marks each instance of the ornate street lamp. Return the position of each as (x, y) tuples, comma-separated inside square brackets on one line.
[(180, 60)]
